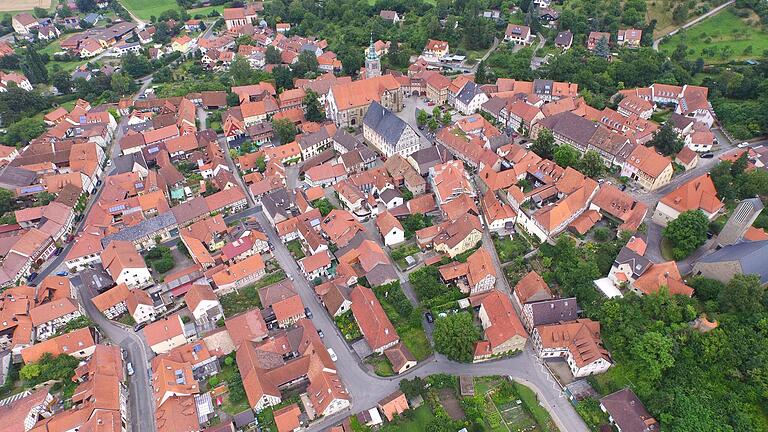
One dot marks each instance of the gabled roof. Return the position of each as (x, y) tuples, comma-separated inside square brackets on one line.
[(384, 123), (660, 275), (696, 194), (504, 323), (532, 286), (628, 412), (374, 323)]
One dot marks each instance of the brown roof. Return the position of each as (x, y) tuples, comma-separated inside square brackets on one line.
[(581, 337), (386, 223), (394, 404), (504, 321), (50, 311), (249, 326), (620, 205), (628, 412), (374, 323), (283, 299), (697, 193), (663, 274), (399, 355), (648, 161), (363, 92), (111, 297), (197, 294), (287, 418), (532, 287)]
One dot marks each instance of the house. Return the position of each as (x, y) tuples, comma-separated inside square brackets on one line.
[(595, 38), (287, 418), (578, 342), (478, 271), (564, 40), (23, 413), (390, 229), (629, 38), (388, 133), (658, 276), (377, 330), (400, 358), (347, 103), (390, 16), (140, 306), (627, 413), (648, 168), (452, 237), (549, 311), (283, 301), (435, 50), (531, 288), (23, 23), (449, 181), (238, 17), (619, 207), (696, 194), (504, 333), (239, 274), (497, 215), (49, 318), (316, 265), (635, 105), (112, 301), (125, 265), (749, 257), (688, 158), (203, 303), (393, 405), (518, 34), (470, 98), (700, 140), (78, 343), (166, 334)]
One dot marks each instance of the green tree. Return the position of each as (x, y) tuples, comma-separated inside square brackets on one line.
[(283, 77), (481, 76), (446, 119), (261, 164), (744, 295), (415, 222), (285, 130), (23, 131), (455, 336), (653, 351), (602, 48), (241, 71), (566, 156), (592, 164), (30, 372), (136, 66), (666, 140), (272, 56), (6, 201), (422, 117), (687, 233), (432, 124), (324, 206), (544, 145), (62, 81), (307, 63), (34, 66), (122, 84), (312, 107)]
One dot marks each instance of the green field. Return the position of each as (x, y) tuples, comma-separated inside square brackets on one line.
[(722, 38), (144, 9)]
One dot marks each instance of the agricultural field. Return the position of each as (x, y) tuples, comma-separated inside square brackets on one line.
[(722, 38), (13, 6), (144, 9)]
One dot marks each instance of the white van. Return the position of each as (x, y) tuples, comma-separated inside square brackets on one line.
[(332, 354)]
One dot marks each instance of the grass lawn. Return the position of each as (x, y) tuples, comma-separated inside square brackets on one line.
[(416, 340), (509, 249), (126, 319), (661, 116), (722, 38), (531, 403), (294, 247), (381, 366), (349, 328), (422, 416), (248, 298), (146, 8), (661, 11), (398, 254)]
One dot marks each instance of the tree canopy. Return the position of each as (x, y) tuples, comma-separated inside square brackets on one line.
[(455, 336), (686, 233)]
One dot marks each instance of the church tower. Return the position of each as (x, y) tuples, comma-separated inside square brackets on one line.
[(372, 62)]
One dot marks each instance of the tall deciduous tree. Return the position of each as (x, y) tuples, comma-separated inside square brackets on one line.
[(687, 233), (455, 336), (312, 107), (544, 145), (284, 129), (666, 140)]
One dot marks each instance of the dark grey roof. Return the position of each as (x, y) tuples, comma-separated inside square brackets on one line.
[(542, 86), (468, 92), (142, 229), (346, 139), (381, 274), (679, 121), (752, 257), (390, 194), (638, 263), (384, 122), (96, 279), (554, 311), (279, 201), (190, 210), (244, 418), (17, 177), (571, 126), (628, 412), (564, 38), (125, 163), (494, 105), (429, 156), (314, 138)]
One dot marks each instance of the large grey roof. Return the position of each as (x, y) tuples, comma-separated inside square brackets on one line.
[(384, 122), (554, 311), (346, 139), (752, 256), (15, 176), (570, 125), (142, 229), (468, 92), (314, 138), (542, 86), (124, 163), (279, 201), (638, 263)]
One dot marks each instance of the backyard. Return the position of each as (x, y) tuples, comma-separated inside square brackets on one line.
[(405, 318), (510, 248), (722, 38), (247, 298), (381, 365), (347, 325), (294, 247), (506, 406)]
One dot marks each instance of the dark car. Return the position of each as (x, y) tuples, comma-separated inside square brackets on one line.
[(58, 251), (308, 312), (708, 155), (320, 333), (32, 277), (430, 318), (139, 326)]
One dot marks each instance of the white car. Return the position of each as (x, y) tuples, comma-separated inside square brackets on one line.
[(742, 145), (332, 354), (129, 366)]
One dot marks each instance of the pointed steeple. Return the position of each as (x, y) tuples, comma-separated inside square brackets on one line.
[(372, 50)]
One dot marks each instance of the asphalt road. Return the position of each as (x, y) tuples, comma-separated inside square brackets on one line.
[(142, 417)]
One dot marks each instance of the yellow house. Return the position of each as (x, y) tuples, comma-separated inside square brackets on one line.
[(182, 44)]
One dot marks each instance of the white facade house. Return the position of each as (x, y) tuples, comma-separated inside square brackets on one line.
[(470, 99), (388, 132)]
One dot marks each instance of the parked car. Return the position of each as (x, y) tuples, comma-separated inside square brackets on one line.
[(139, 326), (58, 251), (708, 155), (742, 145), (308, 312), (332, 354), (62, 273), (430, 318), (129, 366), (320, 333), (32, 276)]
